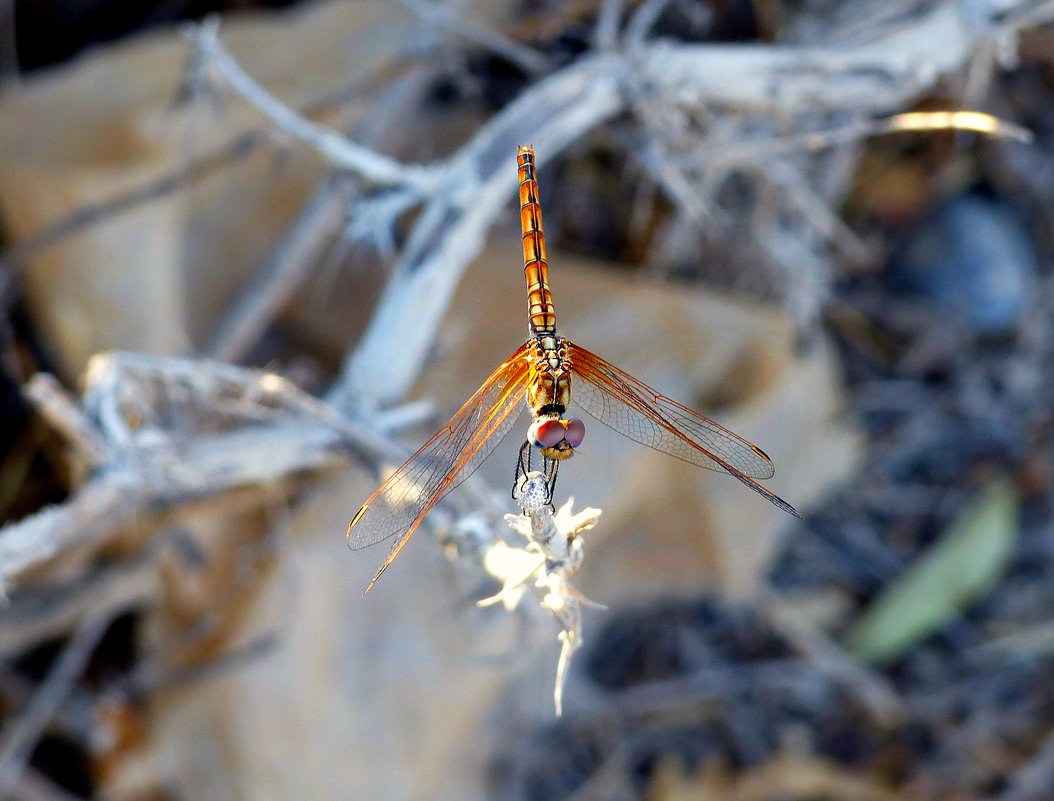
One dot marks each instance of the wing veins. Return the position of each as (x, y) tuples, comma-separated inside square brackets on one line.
[(453, 447), (453, 477), (611, 382)]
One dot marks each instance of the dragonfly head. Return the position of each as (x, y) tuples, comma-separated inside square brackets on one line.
[(556, 438)]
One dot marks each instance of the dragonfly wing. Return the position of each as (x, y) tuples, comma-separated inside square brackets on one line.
[(637, 411), (442, 463)]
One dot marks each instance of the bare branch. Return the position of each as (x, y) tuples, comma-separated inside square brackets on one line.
[(48, 612), (605, 34), (869, 79), (284, 271), (552, 114), (179, 433), (526, 58), (22, 736), (340, 151), (60, 409)]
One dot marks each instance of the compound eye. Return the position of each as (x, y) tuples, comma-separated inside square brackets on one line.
[(545, 433), (575, 432)]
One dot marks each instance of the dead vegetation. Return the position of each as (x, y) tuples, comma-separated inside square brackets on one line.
[(265, 251)]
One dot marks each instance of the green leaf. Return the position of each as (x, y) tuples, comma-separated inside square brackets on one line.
[(961, 567)]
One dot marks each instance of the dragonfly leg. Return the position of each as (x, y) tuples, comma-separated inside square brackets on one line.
[(523, 470), (523, 466), (551, 467)]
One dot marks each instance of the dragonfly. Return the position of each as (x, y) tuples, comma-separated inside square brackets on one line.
[(543, 375)]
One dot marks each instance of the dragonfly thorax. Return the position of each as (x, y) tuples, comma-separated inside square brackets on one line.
[(549, 377), (548, 395)]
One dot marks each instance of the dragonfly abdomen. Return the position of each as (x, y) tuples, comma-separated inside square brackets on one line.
[(540, 310)]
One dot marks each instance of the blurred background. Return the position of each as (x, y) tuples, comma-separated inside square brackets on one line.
[(255, 253)]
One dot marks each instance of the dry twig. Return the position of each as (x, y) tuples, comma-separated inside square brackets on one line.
[(551, 558), (22, 735), (290, 262)]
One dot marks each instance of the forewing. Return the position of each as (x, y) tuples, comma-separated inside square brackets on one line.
[(442, 463), (637, 411)]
